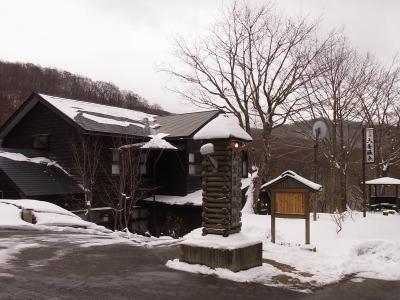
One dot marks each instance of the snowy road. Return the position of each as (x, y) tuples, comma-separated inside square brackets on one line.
[(37, 265)]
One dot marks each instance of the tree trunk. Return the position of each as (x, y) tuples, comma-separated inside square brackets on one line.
[(263, 168)]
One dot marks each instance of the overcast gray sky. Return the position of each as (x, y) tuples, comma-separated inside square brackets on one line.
[(125, 41)]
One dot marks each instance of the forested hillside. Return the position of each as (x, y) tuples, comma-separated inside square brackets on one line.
[(19, 80)]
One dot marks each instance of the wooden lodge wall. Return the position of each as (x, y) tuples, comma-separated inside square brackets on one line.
[(42, 120)]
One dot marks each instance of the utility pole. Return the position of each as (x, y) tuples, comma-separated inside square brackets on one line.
[(319, 131), (363, 173)]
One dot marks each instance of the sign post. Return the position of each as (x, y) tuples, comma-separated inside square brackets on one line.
[(290, 198), (368, 157), (290, 204)]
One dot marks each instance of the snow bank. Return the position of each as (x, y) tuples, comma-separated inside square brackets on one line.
[(10, 217), (38, 206), (364, 248), (48, 217), (248, 206)]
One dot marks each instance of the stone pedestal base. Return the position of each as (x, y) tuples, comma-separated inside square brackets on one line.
[(236, 259)]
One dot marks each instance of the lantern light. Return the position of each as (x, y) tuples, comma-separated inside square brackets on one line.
[(234, 144)]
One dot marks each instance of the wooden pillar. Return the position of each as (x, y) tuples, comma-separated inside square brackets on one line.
[(272, 196), (308, 231), (369, 194), (363, 173), (307, 215)]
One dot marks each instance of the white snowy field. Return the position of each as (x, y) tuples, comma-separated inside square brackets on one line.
[(364, 248)]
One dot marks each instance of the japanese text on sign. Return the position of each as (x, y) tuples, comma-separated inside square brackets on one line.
[(369, 146)]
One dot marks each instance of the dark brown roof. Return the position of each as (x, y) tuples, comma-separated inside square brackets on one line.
[(184, 125), (37, 179)]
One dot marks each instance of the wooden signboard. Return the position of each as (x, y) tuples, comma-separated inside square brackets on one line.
[(290, 203)]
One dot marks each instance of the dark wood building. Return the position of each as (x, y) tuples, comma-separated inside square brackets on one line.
[(56, 128)]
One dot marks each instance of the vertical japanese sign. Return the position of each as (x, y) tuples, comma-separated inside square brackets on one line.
[(369, 146)]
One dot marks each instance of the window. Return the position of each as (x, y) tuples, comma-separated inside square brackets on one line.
[(41, 142), (194, 165), (143, 165), (115, 162)]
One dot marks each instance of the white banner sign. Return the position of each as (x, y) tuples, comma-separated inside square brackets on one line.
[(369, 146)]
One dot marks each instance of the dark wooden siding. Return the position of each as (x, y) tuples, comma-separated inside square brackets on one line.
[(42, 120), (10, 191)]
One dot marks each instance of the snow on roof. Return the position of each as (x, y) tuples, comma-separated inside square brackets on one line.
[(312, 185), (195, 198), (99, 113), (383, 181), (222, 127), (157, 142), (37, 160)]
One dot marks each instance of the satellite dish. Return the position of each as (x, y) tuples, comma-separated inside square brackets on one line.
[(319, 128)]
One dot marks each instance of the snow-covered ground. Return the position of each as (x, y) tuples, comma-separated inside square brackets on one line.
[(364, 248), (50, 217)]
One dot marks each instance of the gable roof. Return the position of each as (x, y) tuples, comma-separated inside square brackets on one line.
[(290, 174), (35, 175), (86, 115), (184, 125)]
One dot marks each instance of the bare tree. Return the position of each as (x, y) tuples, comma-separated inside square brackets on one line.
[(253, 64), (381, 111), (123, 188), (333, 97), (87, 156)]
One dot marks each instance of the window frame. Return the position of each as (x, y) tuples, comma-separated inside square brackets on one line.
[(115, 161), (194, 167), (38, 144)]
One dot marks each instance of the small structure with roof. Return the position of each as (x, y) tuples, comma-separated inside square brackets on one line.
[(290, 198), (377, 188)]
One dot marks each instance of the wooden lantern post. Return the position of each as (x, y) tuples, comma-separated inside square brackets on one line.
[(221, 184)]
